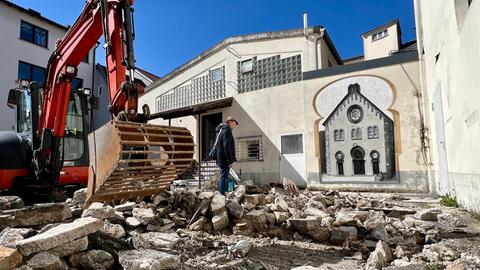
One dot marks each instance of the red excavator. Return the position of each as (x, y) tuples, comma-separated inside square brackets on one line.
[(127, 157)]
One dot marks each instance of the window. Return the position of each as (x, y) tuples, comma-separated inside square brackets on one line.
[(339, 135), (356, 133), (380, 35), (34, 34), (373, 132), (216, 74), (246, 66), (292, 144), (30, 72), (249, 149)]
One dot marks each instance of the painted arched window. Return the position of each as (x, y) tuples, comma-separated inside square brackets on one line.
[(356, 133), (372, 132)]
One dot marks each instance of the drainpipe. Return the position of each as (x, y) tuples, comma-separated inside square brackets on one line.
[(316, 39)]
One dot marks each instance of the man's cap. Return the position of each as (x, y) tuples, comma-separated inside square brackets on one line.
[(231, 119)]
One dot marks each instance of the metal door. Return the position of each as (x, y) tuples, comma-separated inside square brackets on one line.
[(292, 158)]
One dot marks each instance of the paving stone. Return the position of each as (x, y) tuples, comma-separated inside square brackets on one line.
[(114, 230), (430, 214), (9, 258), (75, 246), (9, 236), (147, 259), (61, 234), (132, 222), (128, 206), (40, 214)]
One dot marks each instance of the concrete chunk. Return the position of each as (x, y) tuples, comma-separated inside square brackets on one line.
[(98, 210), (40, 214), (144, 215), (97, 259), (61, 234)]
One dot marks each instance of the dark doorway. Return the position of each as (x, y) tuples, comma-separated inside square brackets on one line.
[(209, 123), (358, 156)]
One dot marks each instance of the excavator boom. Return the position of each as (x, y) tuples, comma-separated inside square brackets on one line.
[(128, 158)]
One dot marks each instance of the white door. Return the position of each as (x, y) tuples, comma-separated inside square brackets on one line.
[(292, 158), (442, 177)]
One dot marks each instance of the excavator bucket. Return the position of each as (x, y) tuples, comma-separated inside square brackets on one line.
[(134, 160)]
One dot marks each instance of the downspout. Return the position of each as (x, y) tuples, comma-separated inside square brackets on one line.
[(316, 38), (423, 96)]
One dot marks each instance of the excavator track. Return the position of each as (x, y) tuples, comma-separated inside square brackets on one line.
[(135, 160)]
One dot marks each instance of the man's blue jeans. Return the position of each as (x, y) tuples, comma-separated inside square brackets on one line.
[(222, 183)]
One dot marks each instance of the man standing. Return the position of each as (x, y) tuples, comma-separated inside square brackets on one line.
[(225, 149)]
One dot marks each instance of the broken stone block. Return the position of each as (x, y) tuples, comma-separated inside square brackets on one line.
[(45, 260), (118, 218), (430, 214), (240, 192), (40, 214), (270, 198), (9, 258), (206, 195), (257, 219), (374, 219), (278, 191), (115, 230), (220, 221), (281, 232), (144, 215), (160, 225), (132, 222), (74, 259), (11, 202), (242, 248), (380, 257), (243, 228), (282, 204), (59, 235), (320, 234), (327, 222), (75, 246), (343, 234), (305, 225), (97, 259), (379, 233), (147, 259), (155, 240), (128, 206), (79, 197), (98, 210), (281, 217), (250, 201), (235, 209), (310, 211), (270, 217), (198, 225), (9, 236), (351, 218), (218, 203), (177, 219)]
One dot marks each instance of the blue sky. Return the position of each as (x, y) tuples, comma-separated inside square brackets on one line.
[(169, 33)]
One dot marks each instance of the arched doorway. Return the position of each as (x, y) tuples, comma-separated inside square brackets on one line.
[(358, 157)]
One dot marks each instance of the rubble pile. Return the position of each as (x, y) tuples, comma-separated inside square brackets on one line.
[(246, 229)]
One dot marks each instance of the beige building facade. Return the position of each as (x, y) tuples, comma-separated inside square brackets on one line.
[(281, 86), (449, 54)]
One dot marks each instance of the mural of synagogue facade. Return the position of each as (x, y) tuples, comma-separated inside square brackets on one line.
[(283, 86)]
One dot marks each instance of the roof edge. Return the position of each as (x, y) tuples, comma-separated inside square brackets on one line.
[(34, 13)]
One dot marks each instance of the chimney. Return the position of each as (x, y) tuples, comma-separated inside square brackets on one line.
[(305, 22)]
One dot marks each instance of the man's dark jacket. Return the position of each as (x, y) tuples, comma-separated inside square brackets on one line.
[(225, 145)]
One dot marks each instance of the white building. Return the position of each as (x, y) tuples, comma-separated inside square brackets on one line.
[(449, 52), (28, 40), (281, 86)]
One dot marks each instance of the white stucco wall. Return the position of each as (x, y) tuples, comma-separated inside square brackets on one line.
[(450, 66), (381, 47), (14, 49)]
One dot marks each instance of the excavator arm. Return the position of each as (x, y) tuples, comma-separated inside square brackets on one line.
[(113, 19), (128, 158)]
